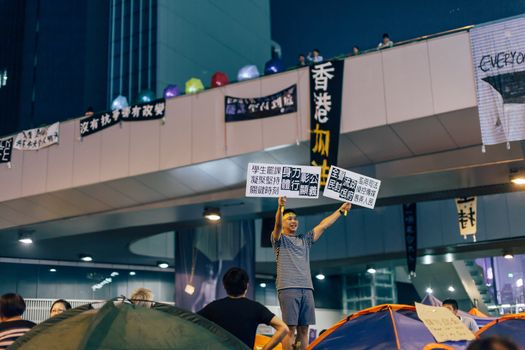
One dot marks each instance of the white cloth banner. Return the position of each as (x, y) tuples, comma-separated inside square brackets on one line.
[(347, 186), (498, 53), (275, 180), (34, 139), (466, 207)]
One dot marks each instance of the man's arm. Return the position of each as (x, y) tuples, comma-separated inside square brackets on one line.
[(281, 330), (329, 220), (281, 201)]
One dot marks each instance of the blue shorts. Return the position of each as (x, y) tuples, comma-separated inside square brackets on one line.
[(297, 306)]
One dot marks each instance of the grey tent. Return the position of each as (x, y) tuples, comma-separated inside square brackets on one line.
[(121, 325)]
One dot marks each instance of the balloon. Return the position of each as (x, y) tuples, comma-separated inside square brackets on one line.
[(248, 72), (194, 85), (219, 79), (119, 103), (146, 96), (171, 91), (275, 65)]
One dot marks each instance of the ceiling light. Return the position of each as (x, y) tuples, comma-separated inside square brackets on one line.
[(427, 259), (262, 285), (517, 177), (52, 270), (371, 270), (132, 273), (163, 264), (24, 237), (508, 256), (429, 290), (212, 214), (86, 258), (519, 282), (451, 289), (320, 277), (114, 273)]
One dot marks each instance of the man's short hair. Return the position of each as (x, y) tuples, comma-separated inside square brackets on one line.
[(287, 211), (452, 303), (235, 281), (142, 297), (11, 305), (385, 35), (493, 342)]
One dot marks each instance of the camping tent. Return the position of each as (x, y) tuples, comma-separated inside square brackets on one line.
[(122, 325), (381, 327), (510, 326), (261, 340), (480, 318)]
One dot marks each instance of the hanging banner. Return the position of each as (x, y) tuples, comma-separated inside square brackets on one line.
[(443, 324), (276, 180), (140, 112), (326, 86), (499, 64), (6, 150), (239, 109), (347, 186), (410, 221), (34, 139), (466, 207)]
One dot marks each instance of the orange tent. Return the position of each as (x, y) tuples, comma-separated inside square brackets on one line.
[(475, 312), (261, 340)]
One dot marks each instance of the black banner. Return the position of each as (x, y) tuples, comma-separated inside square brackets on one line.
[(6, 148), (326, 86), (410, 220), (144, 111), (239, 109)]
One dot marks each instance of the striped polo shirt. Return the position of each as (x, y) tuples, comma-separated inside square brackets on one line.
[(292, 254), (10, 331)]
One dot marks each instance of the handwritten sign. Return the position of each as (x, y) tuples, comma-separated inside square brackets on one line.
[(347, 186), (443, 324), (274, 180)]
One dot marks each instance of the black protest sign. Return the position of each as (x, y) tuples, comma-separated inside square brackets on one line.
[(239, 109), (326, 85), (6, 150)]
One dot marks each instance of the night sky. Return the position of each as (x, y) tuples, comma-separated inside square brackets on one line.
[(334, 26)]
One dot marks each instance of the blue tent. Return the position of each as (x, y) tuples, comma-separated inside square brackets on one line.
[(509, 326), (381, 327)]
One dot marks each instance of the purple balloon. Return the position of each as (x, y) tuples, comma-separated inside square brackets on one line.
[(171, 91)]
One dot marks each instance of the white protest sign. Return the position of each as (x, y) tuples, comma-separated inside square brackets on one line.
[(275, 180), (347, 186), (443, 324), (34, 139)]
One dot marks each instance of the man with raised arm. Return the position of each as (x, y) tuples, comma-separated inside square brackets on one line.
[(294, 280)]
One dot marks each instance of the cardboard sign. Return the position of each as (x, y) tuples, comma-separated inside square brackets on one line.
[(276, 180), (466, 207), (443, 324), (347, 186)]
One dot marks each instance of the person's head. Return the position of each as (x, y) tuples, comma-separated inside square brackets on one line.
[(59, 306), (452, 305), (12, 305), (355, 50), (316, 52), (386, 38), (235, 282), (290, 221), (142, 297), (493, 343), (89, 111), (301, 58)]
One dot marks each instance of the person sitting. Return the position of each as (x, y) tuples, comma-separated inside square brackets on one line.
[(239, 315), (355, 50), (314, 56), (386, 42), (452, 305), (58, 307), (301, 60), (142, 297), (12, 326)]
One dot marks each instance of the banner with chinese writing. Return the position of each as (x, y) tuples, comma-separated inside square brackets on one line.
[(326, 85), (239, 108), (499, 63), (6, 150), (410, 223), (466, 207), (34, 139), (100, 121), (347, 186), (443, 324), (276, 180)]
